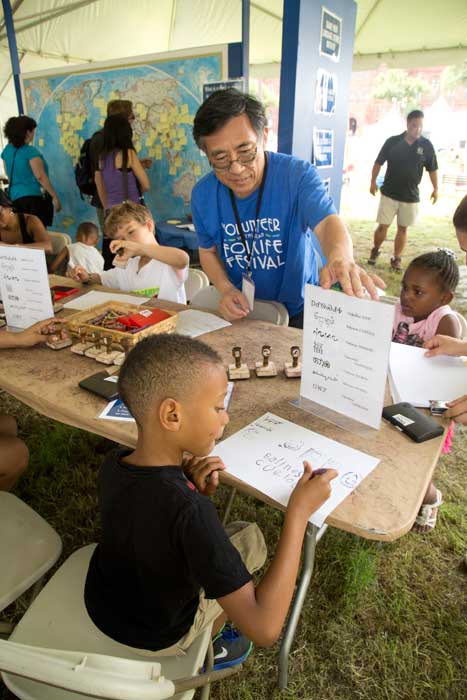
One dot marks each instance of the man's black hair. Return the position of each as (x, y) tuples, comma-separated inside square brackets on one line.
[(443, 264), (415, 114), (220, 107)]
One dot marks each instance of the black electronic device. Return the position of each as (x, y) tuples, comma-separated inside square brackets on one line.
[(102, 384), (413, 423)]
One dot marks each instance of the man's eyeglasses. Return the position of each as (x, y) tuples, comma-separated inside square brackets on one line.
[(244, 158)]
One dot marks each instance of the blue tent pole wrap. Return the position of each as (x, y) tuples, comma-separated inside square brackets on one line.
[(10, 30)]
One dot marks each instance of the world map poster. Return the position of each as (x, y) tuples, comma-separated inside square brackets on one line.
[(166, 91)]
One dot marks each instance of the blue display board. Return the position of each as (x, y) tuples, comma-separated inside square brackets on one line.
[(69, 105), (317, 51)]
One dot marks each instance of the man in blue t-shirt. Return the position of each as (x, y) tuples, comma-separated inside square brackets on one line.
[(264, 216)]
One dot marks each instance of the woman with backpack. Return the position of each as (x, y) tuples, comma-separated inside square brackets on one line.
[(30, 188), (120, 176)]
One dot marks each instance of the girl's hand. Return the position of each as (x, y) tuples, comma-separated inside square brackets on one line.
[(310, 492), (458, 410), (204, 473), (79, 274), (445, 345), (39, 332)]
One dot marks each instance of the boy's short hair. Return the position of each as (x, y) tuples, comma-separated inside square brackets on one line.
[(460, 216), (123, 213), (160, 367), (86, 229), (123, 108)]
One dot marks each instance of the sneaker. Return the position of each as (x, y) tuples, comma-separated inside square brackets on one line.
[(396, 263), (373, 256), (230, 648)]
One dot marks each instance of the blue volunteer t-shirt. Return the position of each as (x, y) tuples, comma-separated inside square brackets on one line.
[(24, 182), (286, 254)]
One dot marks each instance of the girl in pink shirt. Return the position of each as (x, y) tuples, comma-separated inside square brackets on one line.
[(427, 289)]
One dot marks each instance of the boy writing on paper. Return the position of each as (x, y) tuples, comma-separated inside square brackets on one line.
[(165, 568), (144, 266)]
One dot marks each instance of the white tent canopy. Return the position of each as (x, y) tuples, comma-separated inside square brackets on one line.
[(52, 33)]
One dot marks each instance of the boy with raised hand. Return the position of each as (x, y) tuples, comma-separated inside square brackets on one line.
[(165, 568), (144, 266)]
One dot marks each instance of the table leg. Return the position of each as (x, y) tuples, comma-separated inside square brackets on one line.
[(312, 536)]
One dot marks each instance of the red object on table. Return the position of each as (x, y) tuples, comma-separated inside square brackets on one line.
[(144, 318)]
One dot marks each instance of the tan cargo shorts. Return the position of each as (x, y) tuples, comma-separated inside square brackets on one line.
[(407, 212)]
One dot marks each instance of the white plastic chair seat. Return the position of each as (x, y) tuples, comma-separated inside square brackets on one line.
[(463, 324), (271, 311), (29, 547), (59, 241), (58, 619)]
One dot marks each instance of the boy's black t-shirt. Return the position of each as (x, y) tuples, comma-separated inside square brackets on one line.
[(161, 542), (405, 166)]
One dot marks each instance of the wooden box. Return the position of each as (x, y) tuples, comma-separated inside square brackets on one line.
[(83, 319)]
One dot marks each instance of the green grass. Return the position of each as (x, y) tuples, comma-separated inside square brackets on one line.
[(381, 621)]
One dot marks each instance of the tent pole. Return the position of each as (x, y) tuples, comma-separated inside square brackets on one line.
[(10, 30), (246, 41)]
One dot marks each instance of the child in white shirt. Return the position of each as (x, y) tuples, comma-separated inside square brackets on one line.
[(83, 253), (142, 265)]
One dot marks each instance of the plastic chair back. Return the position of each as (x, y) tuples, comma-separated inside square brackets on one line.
[(196, 281), (59, 241), (29, 547), (271, 311)]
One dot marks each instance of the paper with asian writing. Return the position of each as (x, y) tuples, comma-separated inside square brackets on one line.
[(346, 344), (24, 286), (268, 455)]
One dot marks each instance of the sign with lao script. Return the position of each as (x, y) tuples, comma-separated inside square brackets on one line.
[(346, 344)]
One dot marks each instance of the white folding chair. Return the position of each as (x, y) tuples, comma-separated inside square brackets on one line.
[(272, 311), (463, 323), (29, 547), (195, 282), (59, 241), (58, 620)]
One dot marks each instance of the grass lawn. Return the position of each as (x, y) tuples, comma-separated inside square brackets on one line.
[(381, 621)]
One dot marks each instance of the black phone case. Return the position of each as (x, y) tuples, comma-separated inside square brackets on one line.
[(96, 384), (412, 422)]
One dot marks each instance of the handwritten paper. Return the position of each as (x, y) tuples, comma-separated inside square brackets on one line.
[(24, 286), (268, 455), (93, 298), (194, 323), (419, 379), (346, 345)]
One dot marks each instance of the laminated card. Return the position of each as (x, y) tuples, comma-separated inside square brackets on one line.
[(345, 357), (268, 455), (25, 286)]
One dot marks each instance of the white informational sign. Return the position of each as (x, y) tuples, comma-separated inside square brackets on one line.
[(269, 453), (346, 345), (419, 379), (325, 95), (331, 35), (24, 286), (323, 147)]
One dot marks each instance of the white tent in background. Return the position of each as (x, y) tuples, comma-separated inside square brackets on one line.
[(439, 124)]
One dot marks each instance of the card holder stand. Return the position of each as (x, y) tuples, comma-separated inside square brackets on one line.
[(108, 358), (80, 348), (339, 419)]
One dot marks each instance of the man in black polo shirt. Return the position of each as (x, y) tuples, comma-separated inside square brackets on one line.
[(406, 155)]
